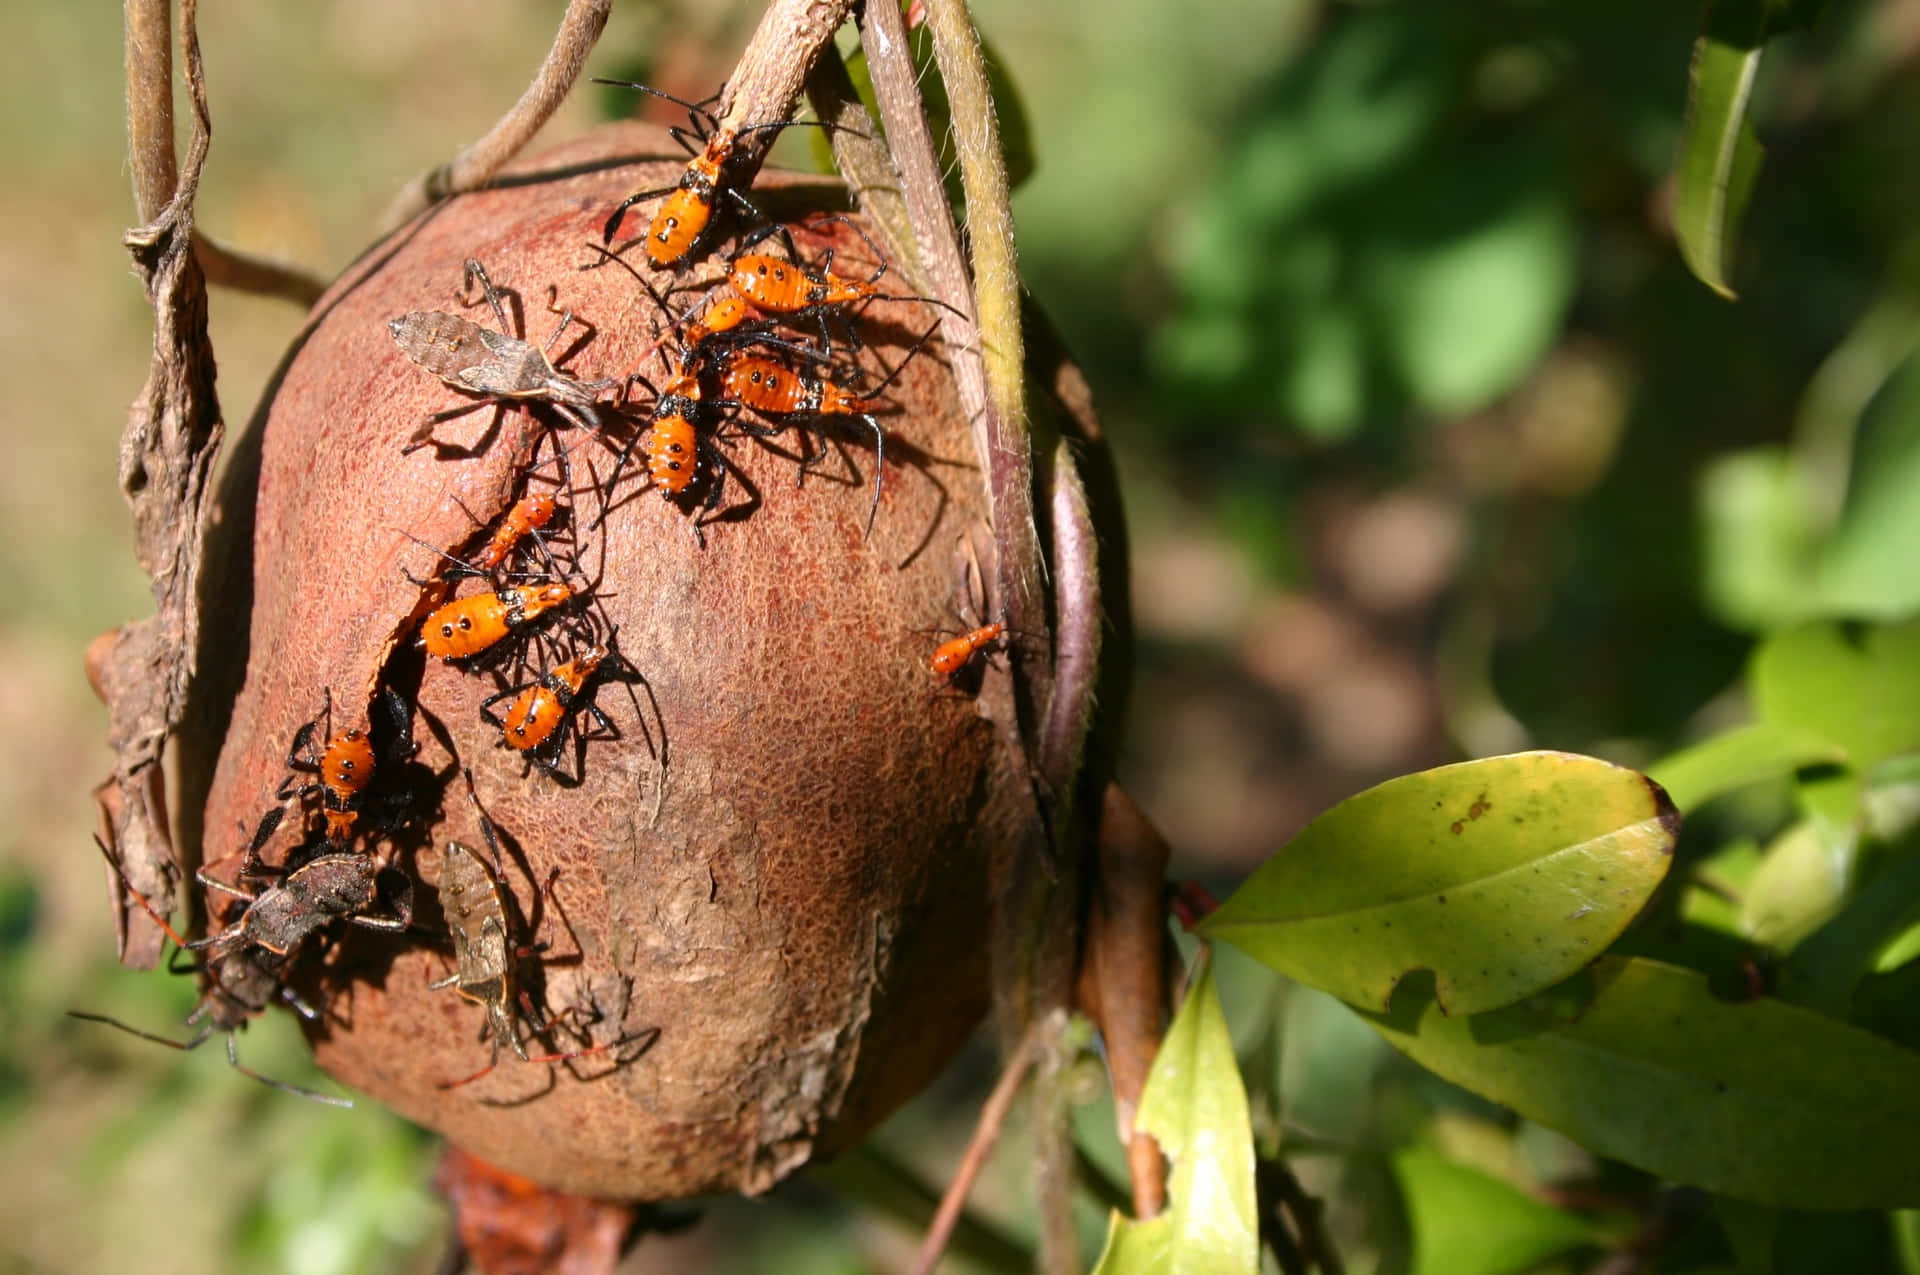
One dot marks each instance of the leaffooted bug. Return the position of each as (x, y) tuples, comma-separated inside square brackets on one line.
[(243, 977), (681, 223), (953, 655), (543, 714), (338, 886), (481, 916), (791, 289), (526, 527), (469, 627), (777, 391), (345, 767), (491, 364)]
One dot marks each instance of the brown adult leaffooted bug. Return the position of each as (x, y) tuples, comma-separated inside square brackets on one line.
[(340, 886), (490, 363), (241, 982), (481, 917)]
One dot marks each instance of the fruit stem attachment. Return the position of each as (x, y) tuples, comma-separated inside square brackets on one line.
[(1008, 450), (774, 68)]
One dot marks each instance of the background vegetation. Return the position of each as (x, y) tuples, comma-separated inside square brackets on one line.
[(1432, 448)]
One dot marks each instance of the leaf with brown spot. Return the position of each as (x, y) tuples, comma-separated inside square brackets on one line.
[(1501, 876)]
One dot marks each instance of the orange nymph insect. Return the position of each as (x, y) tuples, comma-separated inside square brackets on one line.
[(954, 654), (681, 222), (470, 626)]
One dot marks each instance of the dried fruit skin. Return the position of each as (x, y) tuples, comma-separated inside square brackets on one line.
[(784, 869)]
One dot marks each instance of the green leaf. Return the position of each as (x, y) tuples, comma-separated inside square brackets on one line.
[(1759, 533), (1867, 570), (1719, 155), (1502, 876), (1801, 881), (1906, 1239), (1719, 885), (1637, 1060), (1831, 962), (1751, 1231), (1466, 319), (1745, 755), (1196, 1108), (1467, 1223), (1856, 686)]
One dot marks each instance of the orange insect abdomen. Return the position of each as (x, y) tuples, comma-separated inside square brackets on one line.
[(346, 767), (763, 385), (465, 627), (770, 282), (673, 452), (533, 717), (527, 516), (681, 218), (723, 315), (951, 656), (538, 711)]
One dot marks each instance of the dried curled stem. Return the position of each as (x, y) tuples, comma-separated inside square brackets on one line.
[(580, 29), (1053, 690), (883, 35), (166, 455), (262, 276), (865, 163), (1122, 975)]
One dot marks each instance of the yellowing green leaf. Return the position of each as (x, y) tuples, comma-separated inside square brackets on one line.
[(1502, 876), (1195, 1106)]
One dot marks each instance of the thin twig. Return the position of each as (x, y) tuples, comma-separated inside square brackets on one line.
[(993, 1116), (580, 29), (1307, 1244), (263, 276), (149, 58), (872, 1177)]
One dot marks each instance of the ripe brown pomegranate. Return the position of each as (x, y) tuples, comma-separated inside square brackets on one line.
[(781, 867)]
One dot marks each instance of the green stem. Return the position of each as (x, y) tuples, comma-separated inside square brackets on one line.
[(996, 286)]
